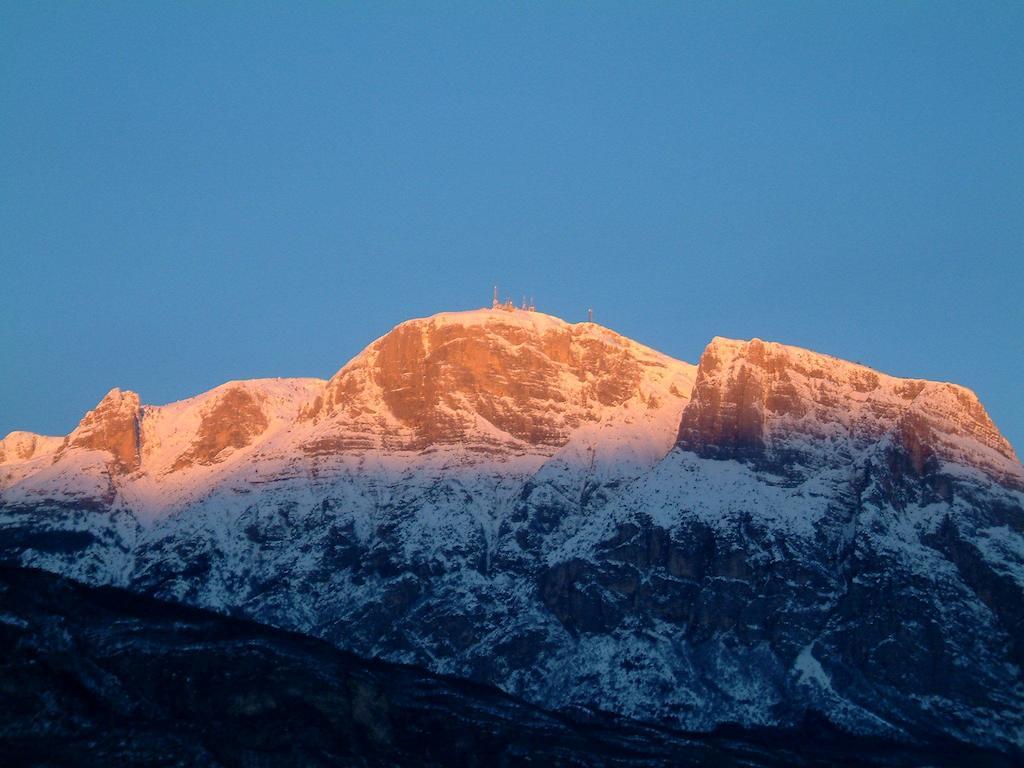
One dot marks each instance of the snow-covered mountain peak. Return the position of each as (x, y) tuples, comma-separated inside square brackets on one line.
[(22, 446), (514, 326), (772, 402), (537, 321), (495, 376)]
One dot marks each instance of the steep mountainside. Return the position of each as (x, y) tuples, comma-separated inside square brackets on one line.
[(580, 520), (99, 676)]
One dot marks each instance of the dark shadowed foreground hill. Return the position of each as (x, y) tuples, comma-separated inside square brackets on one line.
[(101, 676)]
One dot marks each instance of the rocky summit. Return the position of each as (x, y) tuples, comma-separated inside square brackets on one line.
[(769, 536)]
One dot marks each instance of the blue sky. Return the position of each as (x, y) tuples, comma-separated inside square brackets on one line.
[(190, 195)]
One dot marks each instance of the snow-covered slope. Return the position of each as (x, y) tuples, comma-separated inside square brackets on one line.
[(22, 447), (470, 390), (463, 403), (153, 459), (24, 453), (579, 519)]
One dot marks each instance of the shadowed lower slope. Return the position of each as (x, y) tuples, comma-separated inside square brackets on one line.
[(99, 676)]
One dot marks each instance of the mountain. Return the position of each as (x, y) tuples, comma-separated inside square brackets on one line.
[(101, 676), (580, 520)]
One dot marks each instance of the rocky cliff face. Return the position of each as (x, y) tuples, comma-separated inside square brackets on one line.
[(112, 428), (583, 521), (532, 379), (784, 406), (234, 420), (496, 384)]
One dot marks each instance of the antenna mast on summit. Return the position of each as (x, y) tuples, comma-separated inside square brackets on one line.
[(494, 301), (590, 315)]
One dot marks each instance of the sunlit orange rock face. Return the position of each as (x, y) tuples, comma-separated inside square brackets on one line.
[(234, 421), (113, 426), (723, 418), (765, 400), (535, 382)]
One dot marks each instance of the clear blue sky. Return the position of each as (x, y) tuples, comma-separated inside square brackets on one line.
[(190, 195)]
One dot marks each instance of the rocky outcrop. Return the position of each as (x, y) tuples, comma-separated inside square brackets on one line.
[(232, 421), (790, 408), (520, 376), (114, 427)]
